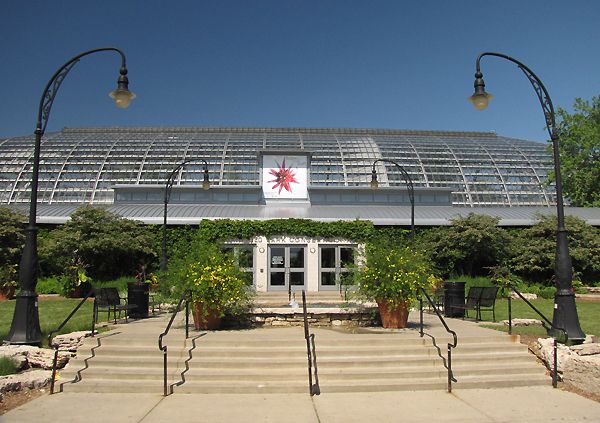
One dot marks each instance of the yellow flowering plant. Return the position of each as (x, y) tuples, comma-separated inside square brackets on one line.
[(214, 279), (394, 274)]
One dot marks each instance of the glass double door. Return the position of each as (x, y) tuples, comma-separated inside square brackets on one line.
[(287, 268)]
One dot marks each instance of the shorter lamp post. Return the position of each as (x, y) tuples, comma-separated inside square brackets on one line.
[(168, 188), (409, 185), (25, 328), (565, 310)]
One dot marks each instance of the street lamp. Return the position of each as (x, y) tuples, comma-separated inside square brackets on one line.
[(168, 188), (565, 310), (25, 328), (409, 185)]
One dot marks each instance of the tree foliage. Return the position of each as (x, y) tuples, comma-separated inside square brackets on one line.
[(12, 236), (535, 250), (469, 247), (579, 146), (109, 245)]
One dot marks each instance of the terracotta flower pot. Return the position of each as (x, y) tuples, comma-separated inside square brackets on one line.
[(209, 320), (393, 318), (7, 293)]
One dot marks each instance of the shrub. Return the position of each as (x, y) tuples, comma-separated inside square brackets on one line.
[(52, 285), (535, 250), (394, 274), (213, 279)]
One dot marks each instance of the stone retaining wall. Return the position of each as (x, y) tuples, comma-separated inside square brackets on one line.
[(334, 316)]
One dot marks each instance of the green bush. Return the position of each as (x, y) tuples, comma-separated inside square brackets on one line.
[(394, 275), (51, 285), (547, 292), (7, 366), (213, 278)]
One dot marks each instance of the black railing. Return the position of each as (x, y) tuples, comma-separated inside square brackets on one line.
[(53, 331), (186, 296), (451, 377), (547, 324), (313, 389)]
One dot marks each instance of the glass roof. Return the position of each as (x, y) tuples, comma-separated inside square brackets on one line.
[(81, 165)]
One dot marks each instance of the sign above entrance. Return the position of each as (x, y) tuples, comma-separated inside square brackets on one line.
[(285, 176)]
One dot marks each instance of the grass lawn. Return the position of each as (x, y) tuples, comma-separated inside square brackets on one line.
[(588, 312), (52, 313)]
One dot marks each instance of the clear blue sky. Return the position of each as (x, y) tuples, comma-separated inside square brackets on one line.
[(358, 64)]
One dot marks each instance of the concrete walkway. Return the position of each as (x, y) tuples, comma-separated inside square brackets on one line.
[(527, 404), (532, 405)]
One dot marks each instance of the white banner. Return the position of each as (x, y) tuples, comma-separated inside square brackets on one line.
[(285, 176)]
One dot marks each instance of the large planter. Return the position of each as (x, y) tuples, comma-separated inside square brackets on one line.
[(393, 317), (80, 290), (205, 320), (7, 293)]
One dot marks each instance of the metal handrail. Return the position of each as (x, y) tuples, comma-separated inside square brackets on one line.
[(186, 296), (313, 389), (548, 329), (53, 331), (451, 377)]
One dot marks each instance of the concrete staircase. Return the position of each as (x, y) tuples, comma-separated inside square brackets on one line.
[(274, 360), (127, 359)]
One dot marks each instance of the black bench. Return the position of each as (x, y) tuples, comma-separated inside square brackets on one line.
[(480, 298), (109, 300)]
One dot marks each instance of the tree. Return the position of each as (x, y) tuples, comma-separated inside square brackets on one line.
[(108, 245), (535, 250), (11, 236), (470, 246), (579, 146)]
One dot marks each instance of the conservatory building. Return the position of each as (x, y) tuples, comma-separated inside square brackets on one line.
[(428, 177)]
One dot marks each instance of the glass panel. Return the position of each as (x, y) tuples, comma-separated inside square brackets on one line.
[(328, 257), (277, 257), (346, 256), (245, 257), (278, 278), (297, 278), (328, 278), (296, 257)]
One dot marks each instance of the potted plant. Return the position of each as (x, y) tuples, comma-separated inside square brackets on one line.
[(217, 285), (392, 276), (76, 283), (8, 282)]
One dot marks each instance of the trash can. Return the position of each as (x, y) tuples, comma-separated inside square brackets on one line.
[(138, 295), (454, 295)]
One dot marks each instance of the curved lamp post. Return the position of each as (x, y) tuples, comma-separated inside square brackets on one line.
[(25, 328), (565, 310), (409, 185), (168, 188)]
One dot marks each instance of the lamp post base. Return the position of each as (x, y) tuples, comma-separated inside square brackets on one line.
[(565, 316), (25, 329)]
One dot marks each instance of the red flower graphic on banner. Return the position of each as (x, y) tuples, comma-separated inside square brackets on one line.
[(283, 177)]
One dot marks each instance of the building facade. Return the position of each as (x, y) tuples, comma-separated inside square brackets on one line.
[(271, 173)]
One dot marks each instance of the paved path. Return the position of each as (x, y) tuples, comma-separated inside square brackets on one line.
[(530, 404)]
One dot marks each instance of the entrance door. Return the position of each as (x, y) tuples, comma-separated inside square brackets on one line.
[(286, 268)]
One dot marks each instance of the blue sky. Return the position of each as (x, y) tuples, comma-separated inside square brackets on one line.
[(258, 63)]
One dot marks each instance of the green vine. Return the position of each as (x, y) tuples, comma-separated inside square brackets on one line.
[(226, 229)]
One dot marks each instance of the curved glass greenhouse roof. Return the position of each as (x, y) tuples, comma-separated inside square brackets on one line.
[(82, 165)]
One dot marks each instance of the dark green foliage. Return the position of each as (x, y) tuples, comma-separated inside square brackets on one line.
[(12, 236), (220, 230), (107, 244), (535, 250), (470, 246), (579, 146)]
